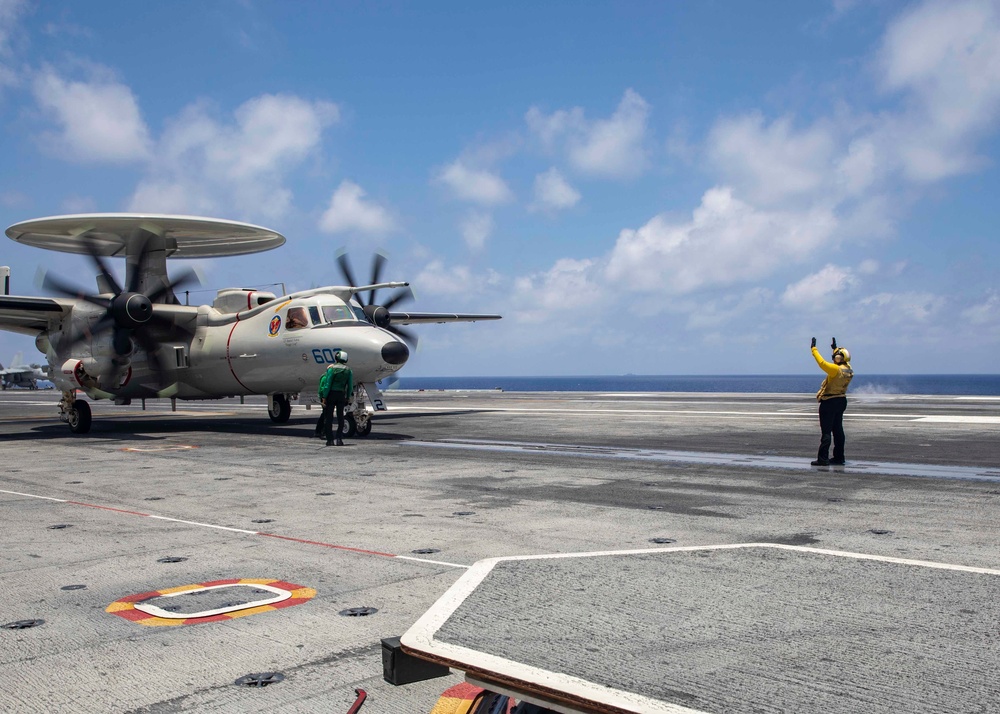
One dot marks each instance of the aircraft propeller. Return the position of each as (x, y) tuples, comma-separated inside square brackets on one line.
[(378, 314), (129, 313)]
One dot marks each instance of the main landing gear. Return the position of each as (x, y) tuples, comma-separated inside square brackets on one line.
[(278, 408), (75, 412)]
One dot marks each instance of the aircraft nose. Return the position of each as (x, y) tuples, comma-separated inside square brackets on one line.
[(395, 353)]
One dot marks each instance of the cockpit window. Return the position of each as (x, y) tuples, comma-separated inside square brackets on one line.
[(296, 318), (314, 314), (337, 313), (359, 313)]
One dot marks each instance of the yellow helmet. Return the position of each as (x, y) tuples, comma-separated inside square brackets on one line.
[(843, 353)]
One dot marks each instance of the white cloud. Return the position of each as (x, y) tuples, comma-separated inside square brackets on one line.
[(712, 314), (349, 211), (476, 228), (14, 199), (438, 279), (857, 170), (841, 7), (474, 185), (945, 58), (769, 163), (821, 289), (613, 147), (869, 267), (902, 308), (570, 285), (202, 162), (11, 12), (98, 120), (552, 128), (553, 192), (726, 241), (986, 312), (79, 204)]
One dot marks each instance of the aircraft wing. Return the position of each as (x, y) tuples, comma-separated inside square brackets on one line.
[(31, 315), (416, 318)]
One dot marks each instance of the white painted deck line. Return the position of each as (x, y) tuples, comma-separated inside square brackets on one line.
[(737, 461), (421, 636), (954, 419)]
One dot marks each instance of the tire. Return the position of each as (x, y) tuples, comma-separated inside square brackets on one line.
[(280, 409), (365, 430), (80, 417), (350, 427)]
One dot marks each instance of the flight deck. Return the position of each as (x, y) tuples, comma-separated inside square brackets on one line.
[(702, 504)]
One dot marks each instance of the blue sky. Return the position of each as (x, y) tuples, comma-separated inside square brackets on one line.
[(643, 187)]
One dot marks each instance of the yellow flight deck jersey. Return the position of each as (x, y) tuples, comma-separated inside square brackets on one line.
[(838, 376)]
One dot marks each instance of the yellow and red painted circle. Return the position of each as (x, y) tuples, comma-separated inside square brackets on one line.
[(125, 607)]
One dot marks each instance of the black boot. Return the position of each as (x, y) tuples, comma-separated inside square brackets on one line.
[(340, 442), (820, 462)]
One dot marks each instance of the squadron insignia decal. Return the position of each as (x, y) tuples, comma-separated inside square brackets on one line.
[(275, 325)]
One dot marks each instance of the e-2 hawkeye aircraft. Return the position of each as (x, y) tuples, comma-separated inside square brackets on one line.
[(136, 341)]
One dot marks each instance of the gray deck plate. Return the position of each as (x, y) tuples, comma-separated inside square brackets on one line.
[(757, 627)]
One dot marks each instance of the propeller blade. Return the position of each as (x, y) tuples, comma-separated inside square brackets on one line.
[(165, 324), (151, 347), (56, 285), (87, 333), (102, 267), (378, 262), (140, 264), (401, 295), (186, 278), (345, 270), (407, 335)]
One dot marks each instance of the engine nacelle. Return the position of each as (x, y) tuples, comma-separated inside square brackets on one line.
[(104, 346), (42, 343), (378, 315), (75, 372)]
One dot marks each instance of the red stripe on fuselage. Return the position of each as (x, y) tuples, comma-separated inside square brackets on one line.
[(229, 358)]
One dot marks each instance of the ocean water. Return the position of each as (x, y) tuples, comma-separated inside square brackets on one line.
[(868, 384)]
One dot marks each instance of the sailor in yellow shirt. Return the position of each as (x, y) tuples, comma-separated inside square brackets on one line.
[(832, 396)]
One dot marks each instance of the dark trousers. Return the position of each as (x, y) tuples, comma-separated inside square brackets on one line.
[(338, 402), (831, 424)]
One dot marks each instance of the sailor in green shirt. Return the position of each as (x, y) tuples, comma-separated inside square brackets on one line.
[(335, 389)]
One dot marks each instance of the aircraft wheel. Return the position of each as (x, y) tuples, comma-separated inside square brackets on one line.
[(350, 427), (365, 429), (280, 409), (80, 417)]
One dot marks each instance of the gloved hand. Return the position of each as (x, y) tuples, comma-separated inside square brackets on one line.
[(814, 342), (833, 345)]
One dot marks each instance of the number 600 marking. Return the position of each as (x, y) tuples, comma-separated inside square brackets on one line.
[(324, 356)]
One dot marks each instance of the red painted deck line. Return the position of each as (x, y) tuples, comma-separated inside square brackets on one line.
[(305, 541), (108, 508), (327, 545)]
